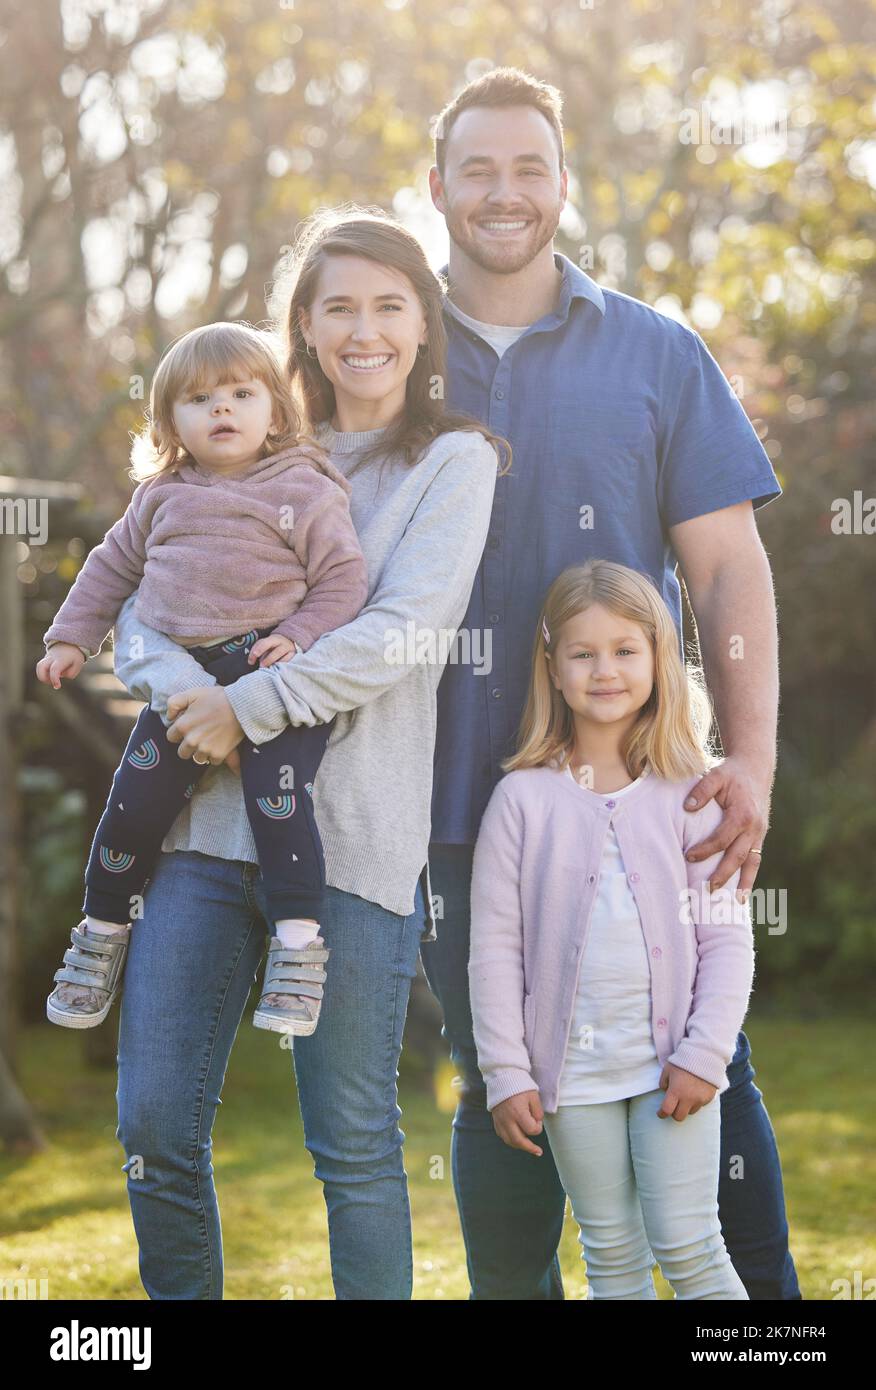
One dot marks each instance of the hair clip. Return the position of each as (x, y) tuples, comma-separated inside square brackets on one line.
[(546, 634)]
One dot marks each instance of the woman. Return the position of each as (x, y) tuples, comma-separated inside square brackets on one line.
[(360, 313)]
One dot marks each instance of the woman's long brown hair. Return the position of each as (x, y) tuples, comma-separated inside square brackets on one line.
[(374, 235)]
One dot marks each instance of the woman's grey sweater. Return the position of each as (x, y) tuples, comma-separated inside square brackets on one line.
[(422, 530)]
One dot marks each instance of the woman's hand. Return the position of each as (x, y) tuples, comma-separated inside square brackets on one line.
[(204, 725), (685, 1093), (518, 1116), (62, 659), (274, 647)]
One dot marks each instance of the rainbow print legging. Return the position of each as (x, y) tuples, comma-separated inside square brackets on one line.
[(153, 783)]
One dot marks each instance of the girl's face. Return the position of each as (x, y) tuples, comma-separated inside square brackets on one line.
[(224, 425), (604, 666), (365, 323)]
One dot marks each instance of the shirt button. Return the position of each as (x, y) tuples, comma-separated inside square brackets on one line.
[(494, 617), (634, 878), (611, 804), (661, 1023), (656, 953), (496, 693), (500, 395)]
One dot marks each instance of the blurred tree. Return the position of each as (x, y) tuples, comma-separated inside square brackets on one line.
[(722, 158)]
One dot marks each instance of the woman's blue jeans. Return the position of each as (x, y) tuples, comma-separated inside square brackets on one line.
[(511, 1205), (192, 960)]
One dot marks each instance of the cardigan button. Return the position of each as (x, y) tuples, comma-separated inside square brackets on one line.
[(611, 804), (661, 1023), (591, 878), (634, 878), (656, 953)]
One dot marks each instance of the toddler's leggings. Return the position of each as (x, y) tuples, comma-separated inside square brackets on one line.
[(645, 1189), (153, 783)]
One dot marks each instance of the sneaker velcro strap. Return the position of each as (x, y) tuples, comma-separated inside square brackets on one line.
[(73, 976), (296, 972), (76, 962), (285, 986), (299, 972), (302, 956), (91, 946)]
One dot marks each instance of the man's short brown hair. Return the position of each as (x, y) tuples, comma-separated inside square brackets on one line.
[(501, 87)]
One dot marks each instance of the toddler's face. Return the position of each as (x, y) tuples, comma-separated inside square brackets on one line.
[(604, 665), (223, 425)]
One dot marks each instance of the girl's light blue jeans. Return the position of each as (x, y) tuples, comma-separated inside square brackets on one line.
[(191, 963), (644, 1189)]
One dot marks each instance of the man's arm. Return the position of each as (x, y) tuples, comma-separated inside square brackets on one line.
[(728, 579), (725, 962)]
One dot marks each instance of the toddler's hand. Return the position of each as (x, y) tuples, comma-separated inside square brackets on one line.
[(685, 1093), (275, 647), (62, 659), (518, 1116)]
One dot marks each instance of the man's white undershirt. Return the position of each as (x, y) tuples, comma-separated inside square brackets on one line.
[(499, 336)]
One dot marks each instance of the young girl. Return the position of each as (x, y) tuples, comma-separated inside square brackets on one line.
[(608, 985), (241, 541)]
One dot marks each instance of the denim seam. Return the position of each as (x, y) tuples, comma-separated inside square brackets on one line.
[(199, 1109), (391, 1080)]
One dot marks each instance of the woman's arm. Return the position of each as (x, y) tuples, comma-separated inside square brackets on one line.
[(495, 968), (151, 665), (725, 969), (426, 581)]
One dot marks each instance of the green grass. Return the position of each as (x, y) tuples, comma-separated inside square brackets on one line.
[(65, 1214)]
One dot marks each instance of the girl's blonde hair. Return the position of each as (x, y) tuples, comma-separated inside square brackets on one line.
[(375, 236), (213, 353), (672, 732)]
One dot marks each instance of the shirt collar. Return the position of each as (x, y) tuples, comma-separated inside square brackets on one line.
[(575, 285)]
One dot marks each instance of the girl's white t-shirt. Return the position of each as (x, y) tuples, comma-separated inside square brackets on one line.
[(611, 1053)]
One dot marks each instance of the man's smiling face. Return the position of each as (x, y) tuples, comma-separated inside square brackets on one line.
[(502, 191)]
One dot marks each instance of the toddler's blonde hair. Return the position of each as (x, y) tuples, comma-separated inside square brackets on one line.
[(209, 355)]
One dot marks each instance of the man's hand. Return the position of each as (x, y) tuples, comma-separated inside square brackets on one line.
[(62, 659), (745, 799), (274, 647), (204, 725), (518, 1116), (685, 1093)]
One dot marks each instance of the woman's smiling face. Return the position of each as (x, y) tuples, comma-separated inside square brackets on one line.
[(366, 322)]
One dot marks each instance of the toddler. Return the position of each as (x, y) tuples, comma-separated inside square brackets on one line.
[(240, 539)]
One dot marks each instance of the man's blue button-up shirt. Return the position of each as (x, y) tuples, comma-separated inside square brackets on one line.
[(622, 425)]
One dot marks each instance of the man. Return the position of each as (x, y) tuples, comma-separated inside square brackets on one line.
[(628, 444)]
